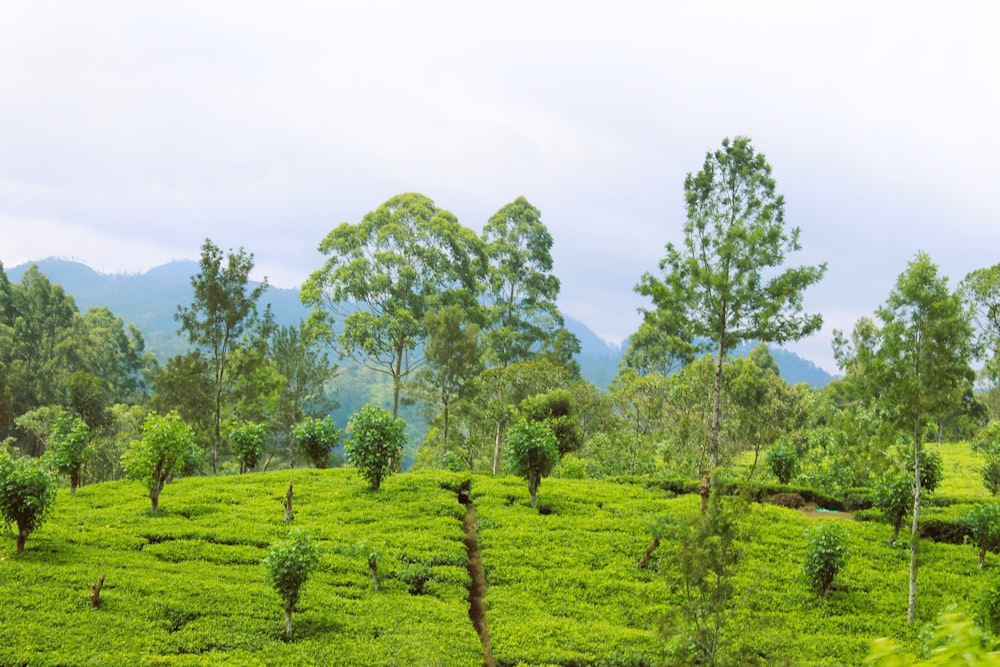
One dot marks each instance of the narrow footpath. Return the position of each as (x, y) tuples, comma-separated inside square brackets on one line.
[(477, 591)]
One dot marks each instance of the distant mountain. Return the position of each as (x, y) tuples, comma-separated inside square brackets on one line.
[(150, 300)]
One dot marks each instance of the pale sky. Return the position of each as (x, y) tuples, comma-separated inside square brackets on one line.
[(131, 131)]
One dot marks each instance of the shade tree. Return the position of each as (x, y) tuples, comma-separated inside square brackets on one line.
[(727, 282), (382, 276), (912, 368), (223, 315)]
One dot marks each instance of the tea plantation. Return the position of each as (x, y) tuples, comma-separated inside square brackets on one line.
[(186, 586)]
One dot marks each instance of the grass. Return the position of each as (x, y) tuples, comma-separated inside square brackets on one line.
[(186, 587)]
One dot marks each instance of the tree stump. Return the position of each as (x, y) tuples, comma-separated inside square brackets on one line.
[(95, 592)]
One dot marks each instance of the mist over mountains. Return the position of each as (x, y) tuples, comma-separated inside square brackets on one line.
[(150, 300)]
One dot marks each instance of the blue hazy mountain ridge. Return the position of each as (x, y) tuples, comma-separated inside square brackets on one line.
[(150, 300)]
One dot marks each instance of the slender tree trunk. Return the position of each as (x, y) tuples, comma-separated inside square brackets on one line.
[(288, 620), (914, 541), (713, 444), (496, 446), (895, 533), (217, 441), (444, 444), (533, 481), (289, 515), (154, 496), (22, 537)]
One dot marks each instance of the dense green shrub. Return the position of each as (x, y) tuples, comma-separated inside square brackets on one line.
[(931, 469), (247, 439), (991, 476), (783, 462), (892, 495), (27, 492), (317, 438), (983, 521), (375, 445), (289, 564), (826, 554)]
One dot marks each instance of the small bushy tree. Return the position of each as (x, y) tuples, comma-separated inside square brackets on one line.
[(984, 525), (166, 440), (289, 564), (826, 554), (317, 438), (375, 444), (893, 496), (783, 462), (532, 453), (70, 448), (27, 492), (702, 563), (247, 439)]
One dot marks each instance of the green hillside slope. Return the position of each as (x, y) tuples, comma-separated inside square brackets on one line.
[(186, 586)]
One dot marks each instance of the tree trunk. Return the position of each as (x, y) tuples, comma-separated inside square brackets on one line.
[(496, 447), (289, 516), (288, 620), (911, 610), (154, 497), (444, 436), (646, 557), (22, 537), (533, 482), (895, 533), (74, 481), (713, 438)]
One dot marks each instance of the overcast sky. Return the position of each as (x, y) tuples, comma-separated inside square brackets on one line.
[(131, 131)]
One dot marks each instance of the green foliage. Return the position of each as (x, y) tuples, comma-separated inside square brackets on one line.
[(991, 476), (826, 554), (783, 462), (893, 497), (988, 608), (931, 469), (532, 453), (704, 559), (247, 439), (27, 493), (221, 320), (69, 446), (384, 274), (416, 576), (375, 444), (724, 285), (166, 441), (984, 525), (186, 586), (520, 291), (289, 564), (555, 409), (317, 438), (955, 640)]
